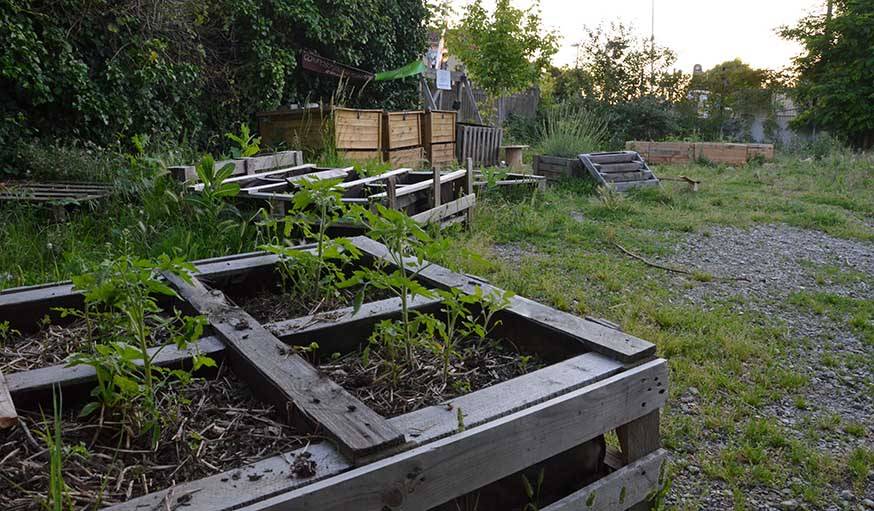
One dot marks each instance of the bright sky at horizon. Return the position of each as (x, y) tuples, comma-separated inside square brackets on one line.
[(705, 32)]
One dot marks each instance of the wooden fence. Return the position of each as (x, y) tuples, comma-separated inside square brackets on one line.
[(481, 143)]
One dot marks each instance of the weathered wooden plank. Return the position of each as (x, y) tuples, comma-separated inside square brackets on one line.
[(641, 437), (199, 186), (422, 185), (551, 426), (618, 491), (622, 177), (624, 187), (507, 397), (350, 186), (35, 386), (324, 174), (8, 415), (450, 208), (619, 167), (447, 468), (618, 157), (257, 164), (593, 336), (287, 379)]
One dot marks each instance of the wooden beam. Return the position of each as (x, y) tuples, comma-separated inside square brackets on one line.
[(292, 180), (246, 177), (391, 194), (461, 463), (439, 213), (285, 378), (435, 193), (8, 415), (639, 438), (555, 425), (631, 484), (593, 336)]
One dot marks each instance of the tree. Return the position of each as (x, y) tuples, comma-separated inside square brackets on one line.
[(504, 52), (624, 67), (835, 73)]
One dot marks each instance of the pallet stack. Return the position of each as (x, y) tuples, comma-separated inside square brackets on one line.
[(622, 170), (438, 134), (402, 139)]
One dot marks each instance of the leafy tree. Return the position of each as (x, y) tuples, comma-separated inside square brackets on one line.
[(835, 75), (622, 67), (505, 51)]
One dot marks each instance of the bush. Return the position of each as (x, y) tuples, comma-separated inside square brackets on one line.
[(568, 130), (186, 71)]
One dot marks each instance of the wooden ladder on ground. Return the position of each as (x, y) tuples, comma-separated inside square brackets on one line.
[(622, 170)]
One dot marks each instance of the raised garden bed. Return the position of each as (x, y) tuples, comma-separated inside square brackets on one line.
[(555, 168), (474, 446)]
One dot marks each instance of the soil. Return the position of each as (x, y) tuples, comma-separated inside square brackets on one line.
[(273, 305), (421, 383), (215, 426)]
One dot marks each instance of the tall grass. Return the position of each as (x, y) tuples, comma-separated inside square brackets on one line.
[(569, 130)]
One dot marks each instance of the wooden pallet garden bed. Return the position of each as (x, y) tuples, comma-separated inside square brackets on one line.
[(428, 196), (243, 166), (555, 168), (59, 195), (511, 180), (688, 152), (476, 445)]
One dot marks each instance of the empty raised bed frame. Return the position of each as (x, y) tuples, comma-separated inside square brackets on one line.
[(553, 419)]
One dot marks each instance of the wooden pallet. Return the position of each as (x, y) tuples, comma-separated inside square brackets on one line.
[(556, 168), (622, 170), (421, 459), (57, 192), (481, 143)]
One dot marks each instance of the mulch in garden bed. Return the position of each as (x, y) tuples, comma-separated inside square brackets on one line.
[(276, 304), (53, 343), (421, 384), (217, 426)]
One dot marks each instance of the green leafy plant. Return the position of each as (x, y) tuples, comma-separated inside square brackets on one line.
[(533, 492), (247, 143), (121, 301), (406, 242), (316, 206)]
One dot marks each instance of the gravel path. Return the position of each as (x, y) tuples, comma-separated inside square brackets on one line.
[(779, 261)]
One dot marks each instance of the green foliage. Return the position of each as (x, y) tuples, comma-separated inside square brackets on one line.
[(835, 76), (58, 494), (533, 492), (317, 205), (247, 143), (505, 51), (569, 130), (121, 303), (100, 71)]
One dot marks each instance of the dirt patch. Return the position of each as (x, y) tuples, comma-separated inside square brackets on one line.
[(421, 383)]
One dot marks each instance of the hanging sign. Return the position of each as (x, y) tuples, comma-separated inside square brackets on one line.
[(444, 79)]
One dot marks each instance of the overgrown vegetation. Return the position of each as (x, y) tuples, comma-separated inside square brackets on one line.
[(569, 130)]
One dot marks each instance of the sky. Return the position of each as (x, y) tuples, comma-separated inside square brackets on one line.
[(705, 32)]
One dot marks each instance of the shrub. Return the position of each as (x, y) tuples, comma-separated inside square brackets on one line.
[(569, 130)]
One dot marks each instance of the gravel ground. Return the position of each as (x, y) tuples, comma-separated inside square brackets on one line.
[(779, 260)]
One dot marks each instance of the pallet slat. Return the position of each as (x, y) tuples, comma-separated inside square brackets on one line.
[(8, 415)]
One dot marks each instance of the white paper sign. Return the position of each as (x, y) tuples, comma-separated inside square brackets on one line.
[(444, 79)]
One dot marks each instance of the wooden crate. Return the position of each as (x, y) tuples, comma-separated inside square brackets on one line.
[(422, 459), (481, 143), (555, 168), (438, 127), (401, 129), (441, 155), (307, 128), (413, 157)]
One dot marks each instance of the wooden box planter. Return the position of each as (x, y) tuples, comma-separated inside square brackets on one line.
[(555, 168), (553, 419), (438, 135), (413, 157), (441, 155), (349, 129), (688, 152), (402, 139)]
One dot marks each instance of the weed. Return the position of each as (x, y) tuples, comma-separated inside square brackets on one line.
[(247, 143), (121, 297), (859, 463), (568, 131), (533, 491)]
